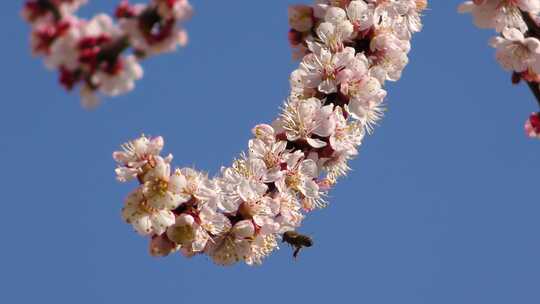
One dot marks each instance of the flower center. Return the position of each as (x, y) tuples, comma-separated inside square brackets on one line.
[(160, 187), (421, 5), (520, 51), (147, 208), (293, 181), (183, 235), (271, 160)]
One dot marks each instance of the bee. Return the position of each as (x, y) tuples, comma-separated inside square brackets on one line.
[(297, 241)]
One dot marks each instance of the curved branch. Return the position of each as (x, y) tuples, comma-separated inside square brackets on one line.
[(291, 166)]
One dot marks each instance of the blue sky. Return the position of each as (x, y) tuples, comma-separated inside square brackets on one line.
[(442, 206)]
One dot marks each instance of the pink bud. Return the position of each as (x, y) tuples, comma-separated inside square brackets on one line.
[(532, 126)]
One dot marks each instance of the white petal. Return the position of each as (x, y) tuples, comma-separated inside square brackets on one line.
[(243, 229), (309, 168), (328, 86), (310, 189), (316, 143), (161, 221), (201, 238), (142, 225)]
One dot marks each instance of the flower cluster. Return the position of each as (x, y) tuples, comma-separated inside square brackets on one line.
[(350, 49), (100, 55), (518, 43)]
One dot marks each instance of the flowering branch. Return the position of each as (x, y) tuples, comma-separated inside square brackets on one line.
[(92, 53), (349, 49), (518, 45)]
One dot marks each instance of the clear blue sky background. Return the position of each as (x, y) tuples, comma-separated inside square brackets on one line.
[(442, 206)]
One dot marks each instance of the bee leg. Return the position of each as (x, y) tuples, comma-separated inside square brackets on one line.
[(296, 252)]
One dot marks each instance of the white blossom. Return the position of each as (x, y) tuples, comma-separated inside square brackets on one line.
[(517, 53), (301, 17), (272, 154), (137, 154), (322, 67), (193, 232), (499, 14), (361, 15), (302, 120), (300, 176), (144, 218), (162, 190)]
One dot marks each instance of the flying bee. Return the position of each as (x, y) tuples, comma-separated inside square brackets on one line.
[(297, 241)]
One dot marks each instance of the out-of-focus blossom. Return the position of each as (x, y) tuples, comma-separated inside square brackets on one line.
[(532, 126), (94, 54)]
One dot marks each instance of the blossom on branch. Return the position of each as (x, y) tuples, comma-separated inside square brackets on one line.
[(518, 43), (350, 49), (99, 55)]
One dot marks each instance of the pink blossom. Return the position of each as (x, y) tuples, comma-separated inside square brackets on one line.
[(94, 54), (532, 126)]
